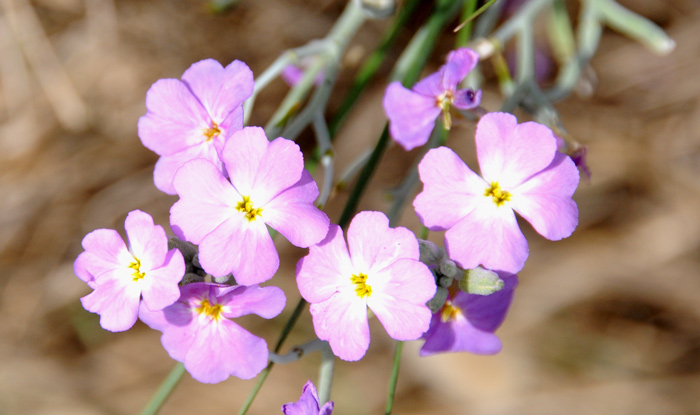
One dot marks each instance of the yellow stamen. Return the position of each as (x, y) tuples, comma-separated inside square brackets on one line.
[(136, 266), (214, 312), (362, 289), (212, 132), (443, 102), (498, 195), (251, 213), (449, 312)]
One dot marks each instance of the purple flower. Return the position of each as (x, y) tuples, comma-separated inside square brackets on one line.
[(119, 275), (307, 403), (467, 322), (194, 117), (197, 330), (227, 219), (381, 271), (522, 171), (412, 113)]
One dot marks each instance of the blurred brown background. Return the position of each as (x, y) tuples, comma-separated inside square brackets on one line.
[(605, 322)]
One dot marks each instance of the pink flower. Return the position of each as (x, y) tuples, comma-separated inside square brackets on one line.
[(194, 117), (197, 330), (121, 275), (227, 219), (381, 271), (412, 113), (467, 322), (522, 172), (308, 403)]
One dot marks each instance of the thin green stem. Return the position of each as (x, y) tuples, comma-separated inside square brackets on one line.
[(166, 388), (394, 378), (468, 15), (283, 336)]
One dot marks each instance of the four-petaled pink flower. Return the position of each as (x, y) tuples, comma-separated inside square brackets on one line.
[(197, 330), (193, 117), (381, 271), (308, 403), (467, 322), (522, 172), (119, 275), (227, 219), (412, 113)]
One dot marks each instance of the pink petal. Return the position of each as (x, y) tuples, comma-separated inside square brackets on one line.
[(458, 336), (293, 214), (117, 303), (167, 166), (223, 348), (342, 321), (374, 246), (178, 324), (160, 287), (488, 236), (459, 63), (242, 248), (545, 199), (267, 302), (450, 189), (81, 268), (430, 86), (220, 90), (175, 119), (105, 251), (147, 241), (400, 302), (206, 200), (510, 153), (411, 115), (325, 268)]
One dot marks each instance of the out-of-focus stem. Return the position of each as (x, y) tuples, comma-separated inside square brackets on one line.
[(164, 391), (325, 374), (394, 378)]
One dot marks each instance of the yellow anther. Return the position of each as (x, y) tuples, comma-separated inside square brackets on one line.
[(449, 312), (212, 131), (362, 289), (498, 195), (246, 205), (214, 312), (136, 266)]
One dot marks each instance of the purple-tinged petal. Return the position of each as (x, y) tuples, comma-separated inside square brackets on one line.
[(310, 225), (206, 200), (220, 90), (458, 336), (178, 324), (545, 199), (326, 409), (430, 86), (487, 312), (327, 266), (222, 348), (509, 153), (488, 236), (147, 241), (342, 321), (411, 115), (267, 302), (175, 118), (399, 303), (374, 245), (242, 248), (117, 303), (451, 190), (307, 403), (466, 99), (159, 287), (459, 63), (167, 166)]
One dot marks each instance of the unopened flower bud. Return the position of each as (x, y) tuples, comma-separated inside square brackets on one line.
[(438, 301), (480, 281), (449, 268), (430, 254)]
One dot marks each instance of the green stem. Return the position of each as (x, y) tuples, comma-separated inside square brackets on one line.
[(468, 16), (166, 388), (394, 378), (283, 336)]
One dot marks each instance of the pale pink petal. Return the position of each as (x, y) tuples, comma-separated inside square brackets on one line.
[(178, 324), (105, 252), (459, 63), (488, 236), (220, 90), (411, 115), (175, 118), (545, 199), (327, 267), (147, 241), (374, 246), (509, 153), (293, 213), (342, 321), (206, 200), (223, 348), (267, 302), (400, 302), (81, 268), (159, 286), (167, 166), (450, 189), (242, 155), (117, 303), (430, 86), (242, 248)]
